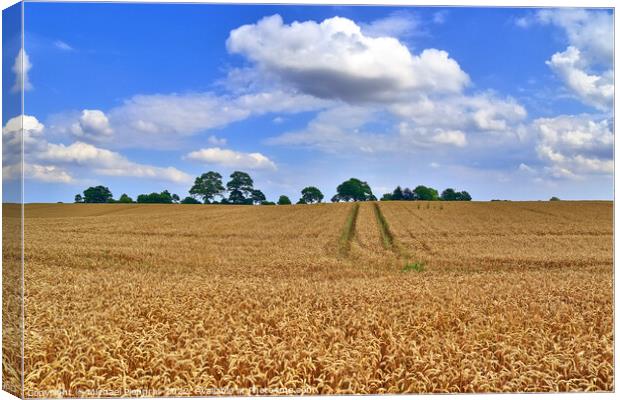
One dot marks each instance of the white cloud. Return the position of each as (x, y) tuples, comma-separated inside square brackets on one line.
[(169, 174), (230, 158), (106, 162), (342, 129), (11, 171), (278, 101), (591, 31), (397, 24), (24, 128), (479, 112), (216, 141), (176, 114), (456, 138), (21, 67), (41, 173), (80, 153), (335, 130), (494, 114), (93, 124), (59, 44), (50, 162), (27, 125), (162, 120), (420, 136), (586, 65), (526, 168), (423, 90), (47, 173), (377, 80), (336, 60), (594, 90), (559, 172), (575, 146), (524, 22), (439, 17)]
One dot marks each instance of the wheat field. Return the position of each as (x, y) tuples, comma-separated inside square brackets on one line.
[(135, 300)]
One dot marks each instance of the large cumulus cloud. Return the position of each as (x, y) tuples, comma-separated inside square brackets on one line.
[(335, 59)]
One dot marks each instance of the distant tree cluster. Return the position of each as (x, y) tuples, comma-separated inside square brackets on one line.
[(164, 197), (310, 195), (284, 201), (425, 193), (240, 189), (209, 188), (97, 194), (125, 199), (101, 194), (190, 200), (452, 195), (353, 190)]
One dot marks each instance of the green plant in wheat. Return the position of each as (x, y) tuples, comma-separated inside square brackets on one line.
[(416, 266)]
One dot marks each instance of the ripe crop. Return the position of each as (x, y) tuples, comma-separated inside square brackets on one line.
[(183, 299)]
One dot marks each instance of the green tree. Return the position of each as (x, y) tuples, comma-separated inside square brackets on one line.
[(463, 196), (190, 200), (408, 195), (284, 200), (175, 198), (79, 198), (311, 195), (425, 193), (353, 190), (258, 197), (397, 194), (163, 198), (551, 199), (166, 197), (240, 188), (97, 194), (448, 195), (125, 199), (386, 197), (451, 195), (207, 186), (236, 197)]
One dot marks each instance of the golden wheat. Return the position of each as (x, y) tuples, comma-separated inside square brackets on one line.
[(181, 299), (11, 299)]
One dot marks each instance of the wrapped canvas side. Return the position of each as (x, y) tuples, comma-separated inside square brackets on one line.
[(12, 200)]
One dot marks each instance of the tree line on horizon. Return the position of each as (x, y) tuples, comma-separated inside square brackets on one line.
[(425, 193), (240, 190)]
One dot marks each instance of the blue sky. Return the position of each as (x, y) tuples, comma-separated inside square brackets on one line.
[(505, 103)]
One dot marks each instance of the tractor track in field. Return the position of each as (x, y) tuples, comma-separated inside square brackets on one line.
[(348, 232), (388, 239), (384, 229)]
